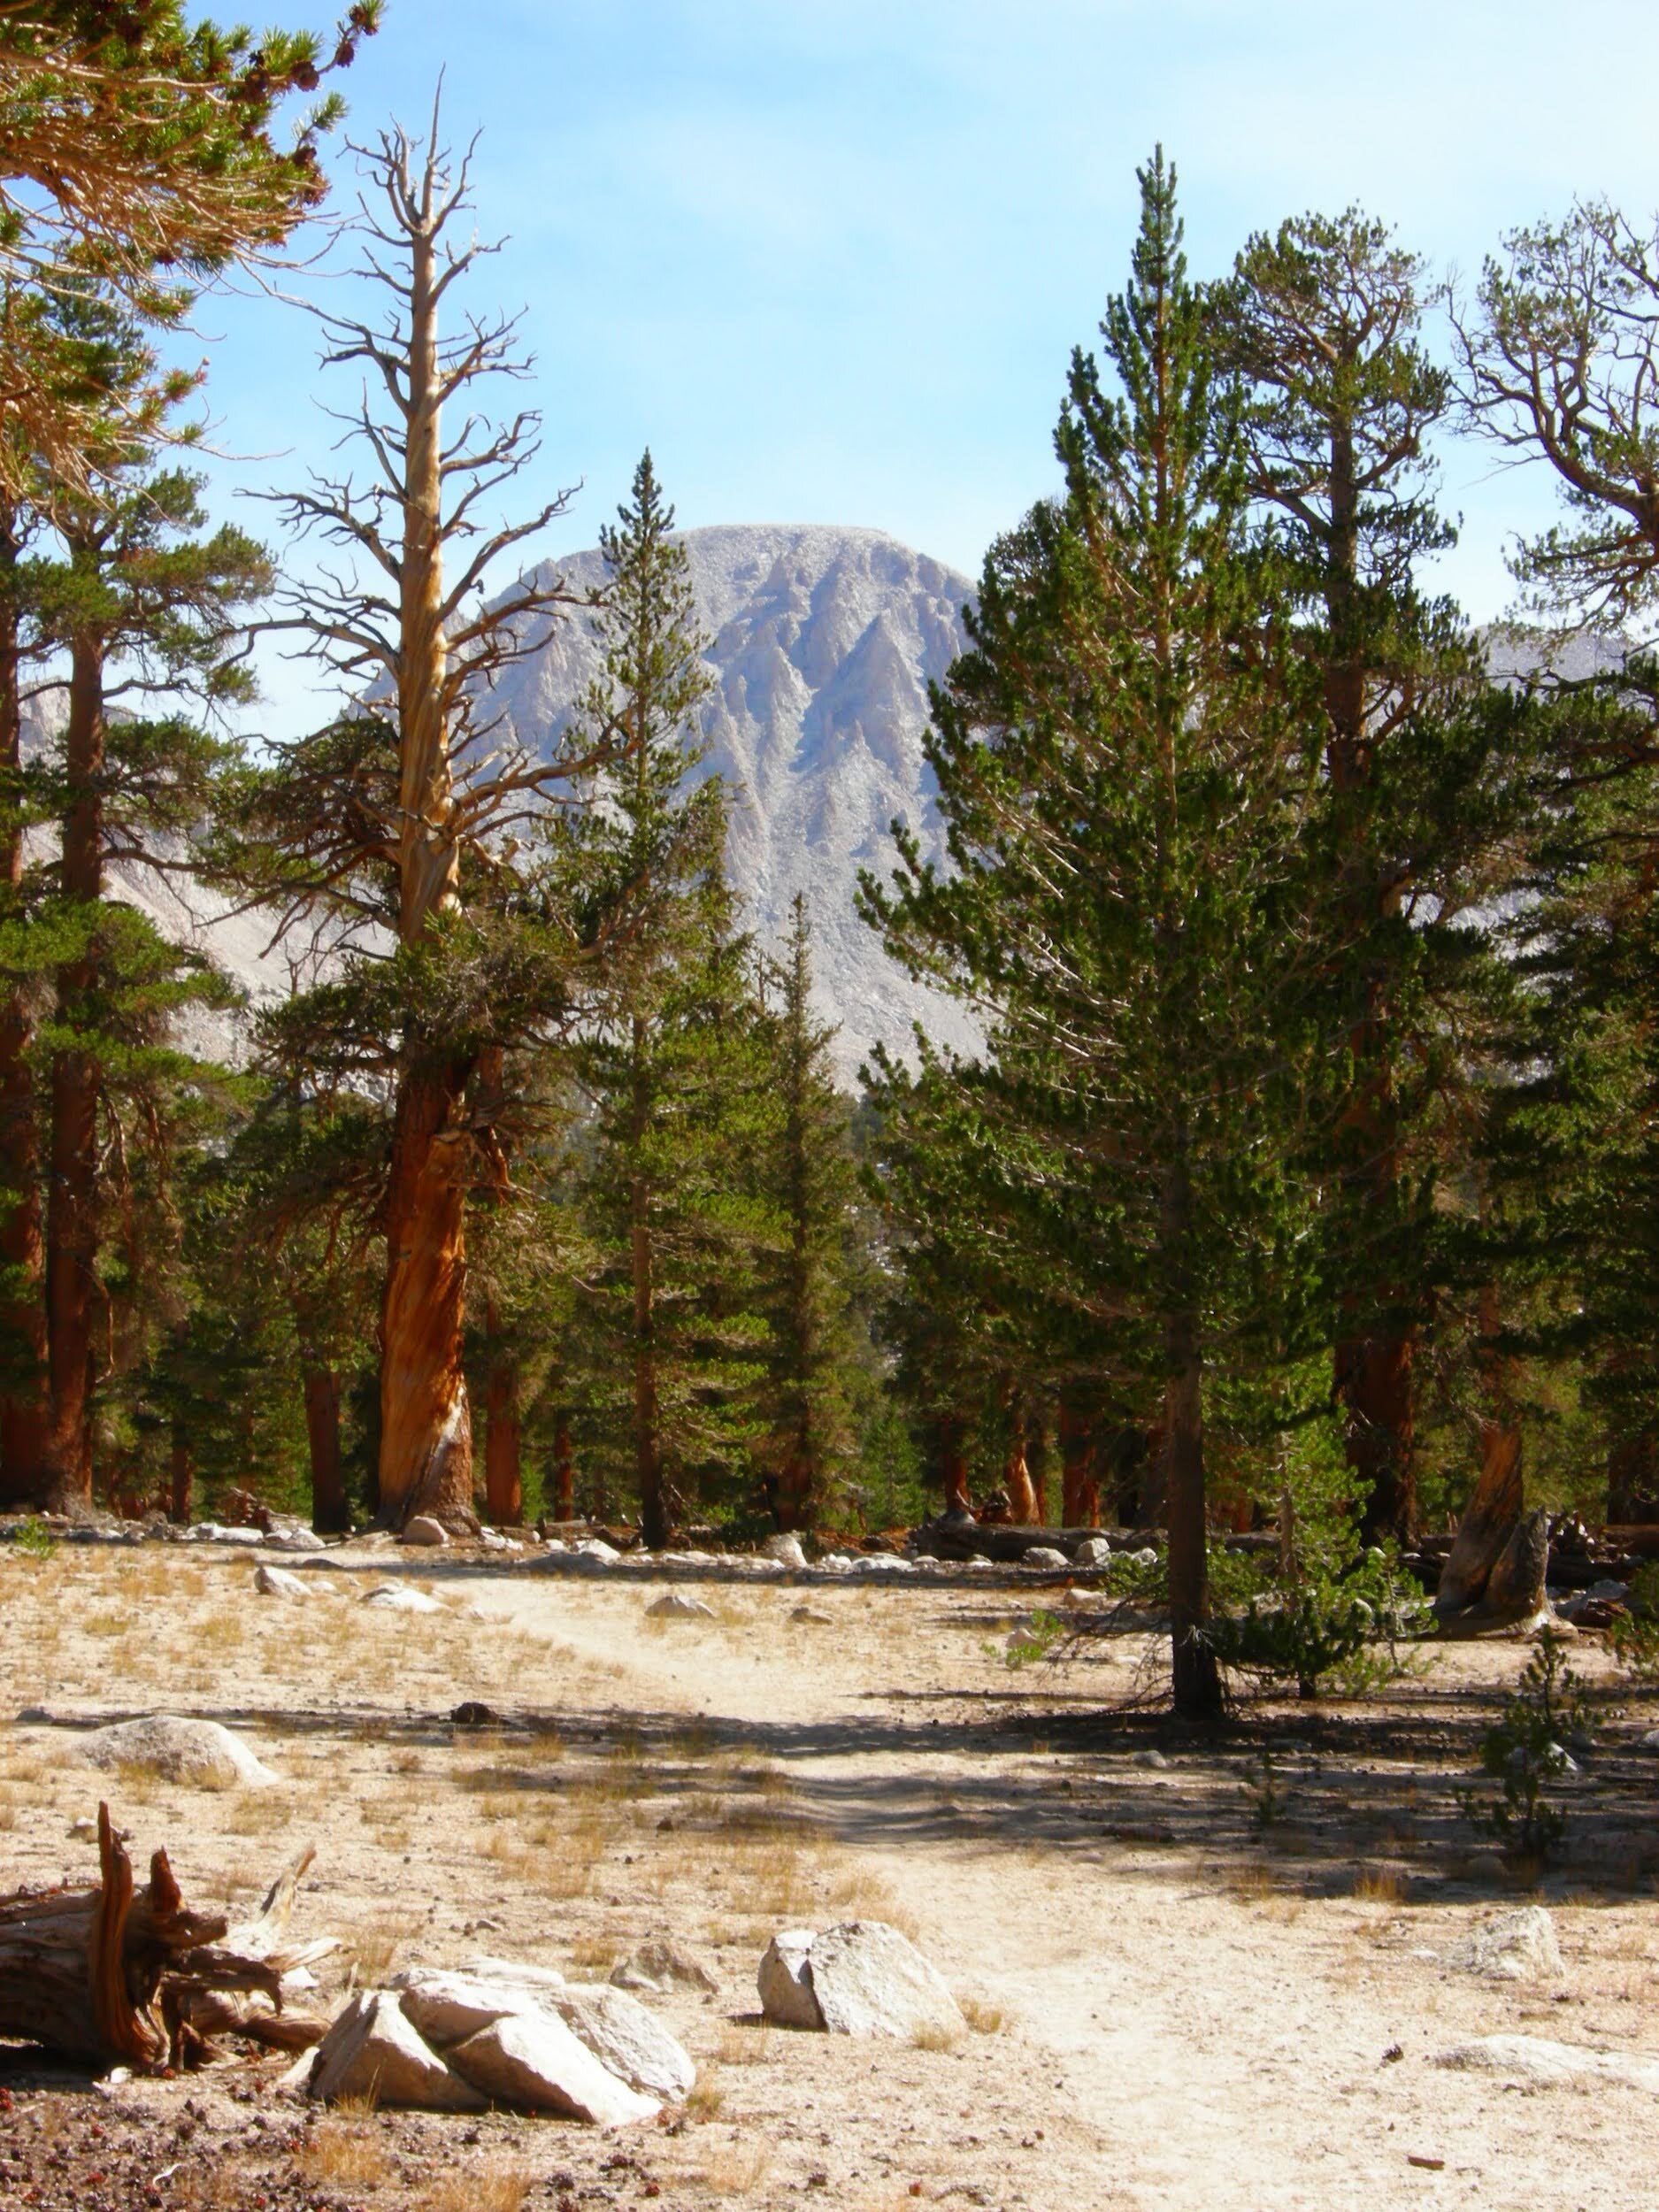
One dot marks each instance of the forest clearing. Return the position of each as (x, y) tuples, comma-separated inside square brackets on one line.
[(1171, 1998)]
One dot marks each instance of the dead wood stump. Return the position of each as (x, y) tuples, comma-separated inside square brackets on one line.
[(117, 1976)]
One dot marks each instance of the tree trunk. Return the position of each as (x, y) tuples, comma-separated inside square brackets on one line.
[(330, 1514), (1196, 1679), (1374, 1380), (1497, 1505), (1633, 1479), (1022, 1496), (953, 1464), (71, 1218), (181, 1478), (23, 1404), (1080, 1482), (425, 1424), (503, 1472), (794, 1505), (648, 1462), (564, 1469), (426, 1463), (1037, 1467)]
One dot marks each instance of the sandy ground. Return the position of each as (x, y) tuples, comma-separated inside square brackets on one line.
[(1173, 2002)]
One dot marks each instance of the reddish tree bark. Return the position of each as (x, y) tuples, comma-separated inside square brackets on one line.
[(950, 1444), (330, 1515), (72, 1216), (1079, 1481), (425, 1423), (564, 1469)]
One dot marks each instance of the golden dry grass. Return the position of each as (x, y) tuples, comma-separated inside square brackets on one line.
[(344, 2154)]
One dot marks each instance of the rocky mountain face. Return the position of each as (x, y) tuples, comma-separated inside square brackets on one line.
[(822, 644)]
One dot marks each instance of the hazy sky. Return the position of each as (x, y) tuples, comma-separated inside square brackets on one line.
[(830, 262)]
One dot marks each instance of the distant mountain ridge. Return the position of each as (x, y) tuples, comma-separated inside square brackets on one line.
[(822, 642)]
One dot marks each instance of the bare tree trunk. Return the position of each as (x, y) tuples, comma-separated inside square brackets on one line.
[(1022, 1496), (181, 1478), (24, 1406), (330, 1515), (564, 1469), (504, 1470), (426, 1424), (71, 1219)]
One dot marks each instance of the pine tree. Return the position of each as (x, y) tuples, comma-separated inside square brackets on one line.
[(811, 1183), (1128, 760), (1323, 324), (673, 1063)]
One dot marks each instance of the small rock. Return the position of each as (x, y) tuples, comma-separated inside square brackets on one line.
[(447, 2008), (786, 1550), (678, 1606), (535, 2061), (299, 1537), (1045, 1556), (1094, 1551), (396, 1597), (1152, 1758), (1538, 2064), (277, 1582), (197, 1752), (660, 1963), (424, 1530), (863, 1978), (807, 1618), (1648, 1740), (472, 1712), (213, 1532), (374, 2052), (1518, 1946)]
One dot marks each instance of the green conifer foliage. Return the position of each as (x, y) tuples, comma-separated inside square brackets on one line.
[(672, 1063), (1128, 762)]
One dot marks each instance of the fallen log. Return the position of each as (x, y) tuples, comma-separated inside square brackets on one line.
[(117, 1976)]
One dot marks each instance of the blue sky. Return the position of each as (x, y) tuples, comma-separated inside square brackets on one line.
[(830, 262)]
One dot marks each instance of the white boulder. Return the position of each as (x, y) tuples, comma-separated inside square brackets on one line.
[(1094, 1551), (197, 1752), (424, 1530), (1537, 2063), (534, 2060), (277, 1582), (862, 1978), (660, 1964), (447, 2008), (1517, 1947), (786, 1550), (396, 1597), (1046, 1556), (295, 1538), (785, 1980), (676, 1606)]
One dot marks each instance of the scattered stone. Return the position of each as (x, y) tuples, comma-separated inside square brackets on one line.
[(277, 1582), (786, 1550), (879, 1563), (785, 1980), (625, 2037), (395, 1597), (1649, 1740), (472, 1712), (595, 1547), (535, 2061), (862, 1978), (1518, 1946), (1147, 1556), (197, 1752), (660, 1963), (372, 2052), (678, 1606), (1046, 1556), (1538, 2064), (1094, 1551), (298, 1538), (424, 1530), (807, 1618), (1150, 1758), (214, 1533)]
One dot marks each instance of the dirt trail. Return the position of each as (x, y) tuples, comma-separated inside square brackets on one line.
[(1176, 2008)]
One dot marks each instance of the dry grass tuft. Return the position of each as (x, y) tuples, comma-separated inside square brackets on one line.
[(984, 2019), (737, 2169), (374, 1952), (496, 2187), (935, 2037), (1379, 1885), (344, 2154)]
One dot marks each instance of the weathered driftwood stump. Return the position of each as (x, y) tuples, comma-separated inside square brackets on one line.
[(117, 1976)]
